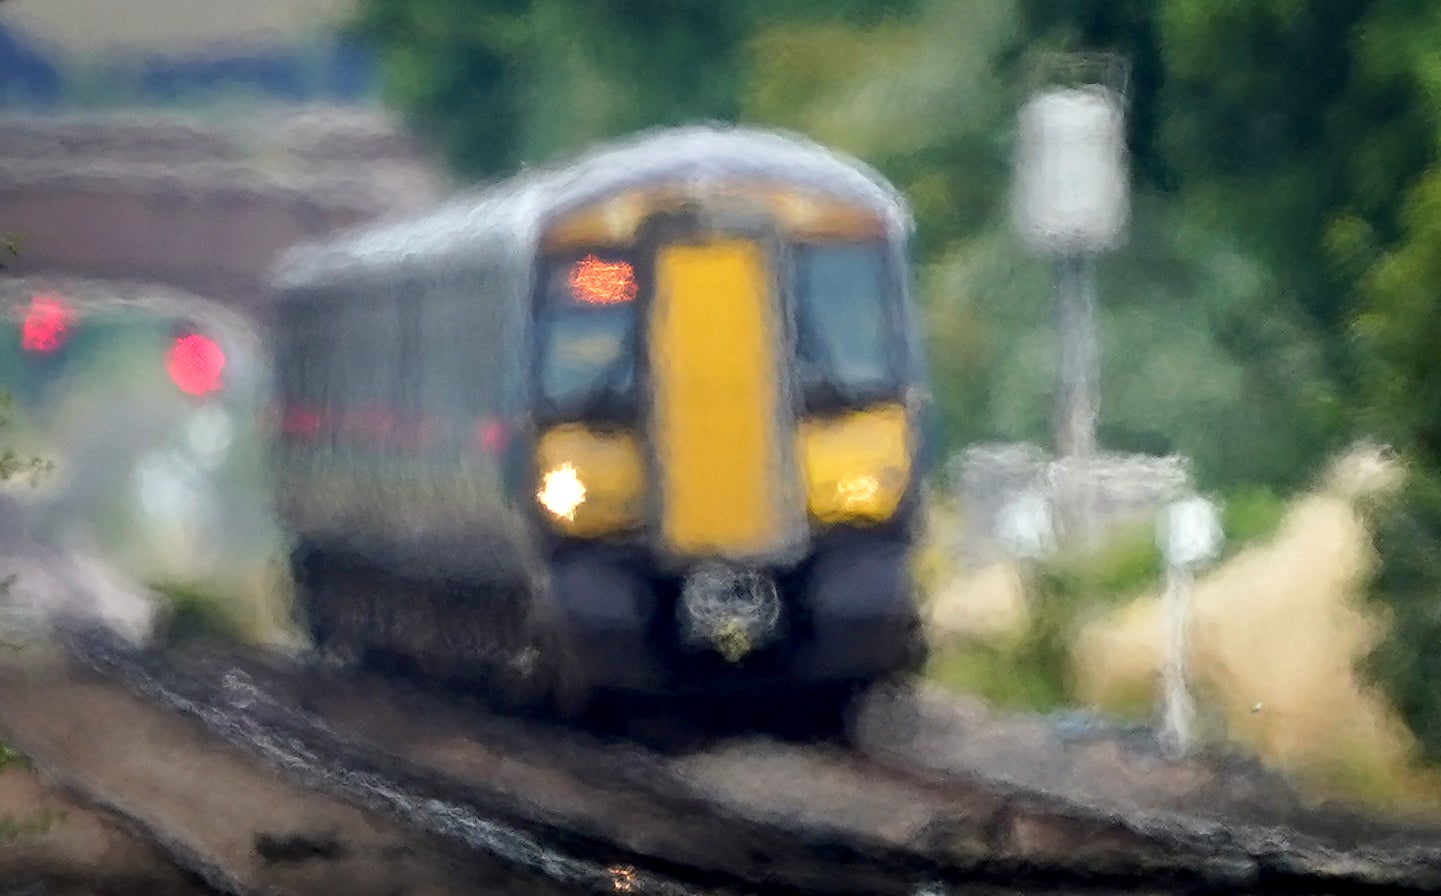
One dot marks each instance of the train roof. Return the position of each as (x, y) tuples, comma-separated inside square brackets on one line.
[(510, 215)]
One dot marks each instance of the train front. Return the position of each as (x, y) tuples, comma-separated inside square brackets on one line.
[(725, 466)]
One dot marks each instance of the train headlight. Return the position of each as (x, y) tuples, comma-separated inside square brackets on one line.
[(590, 483), (856, 466), (561, 491)]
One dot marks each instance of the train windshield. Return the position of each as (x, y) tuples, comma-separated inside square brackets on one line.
[(587, 323), (845, 333)]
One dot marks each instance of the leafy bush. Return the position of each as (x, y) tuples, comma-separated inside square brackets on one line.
[(1032, 669), (1250, 513), (15, 464), (1406, 664), (196, 611)]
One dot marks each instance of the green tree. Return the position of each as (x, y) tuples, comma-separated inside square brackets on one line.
[(498, 83), (1310, 132), (1391, 243), (1208, 350)]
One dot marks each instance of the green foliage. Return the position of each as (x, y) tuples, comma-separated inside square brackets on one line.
[(1407, 663), (196, 611), (494, 84), (1033, 669), (1000, 673), (15, 464), (1202, 353), (1251, 514), (498, 83), (1389, 245), (9, 757), (14, 828), (926, 98), (1127, 564)]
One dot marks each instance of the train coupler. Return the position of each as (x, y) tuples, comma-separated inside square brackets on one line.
[(729, 609)]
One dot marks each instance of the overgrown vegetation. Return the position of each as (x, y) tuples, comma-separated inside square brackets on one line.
[(14, 464), (1031, 668), (13, 827), (195, 611)]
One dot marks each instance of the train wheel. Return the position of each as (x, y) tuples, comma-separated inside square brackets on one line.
[(917, 650), (319, 591), (518, 680), (818, 712), (566, 691)]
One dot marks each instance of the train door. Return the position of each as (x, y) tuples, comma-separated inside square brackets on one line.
[(717, 399)]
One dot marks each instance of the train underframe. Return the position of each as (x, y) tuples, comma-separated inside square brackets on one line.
[(608, 621), (844, 615)]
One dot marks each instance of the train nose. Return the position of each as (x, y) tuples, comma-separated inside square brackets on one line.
[(733, 610)]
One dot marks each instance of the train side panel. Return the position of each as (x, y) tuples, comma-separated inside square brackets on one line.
[(400, 412)]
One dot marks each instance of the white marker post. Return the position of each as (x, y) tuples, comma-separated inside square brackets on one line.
[(1189, 535), (1025, 525)]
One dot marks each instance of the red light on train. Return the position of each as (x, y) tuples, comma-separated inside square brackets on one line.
[(47, 324), (595, 281), (194, 364), (301, 423), (490, 436)]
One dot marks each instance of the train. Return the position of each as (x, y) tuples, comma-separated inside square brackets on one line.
[(645, 421), (145, 402)]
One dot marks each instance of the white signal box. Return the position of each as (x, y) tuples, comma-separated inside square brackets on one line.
[(1071, 192)]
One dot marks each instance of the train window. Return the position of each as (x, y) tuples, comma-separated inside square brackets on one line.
[(367, 334), (587, 332), (303, 371), (845, 338)]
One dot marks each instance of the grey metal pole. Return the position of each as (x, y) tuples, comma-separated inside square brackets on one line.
[(1189, 535), (1079, 400), (1178, 716)]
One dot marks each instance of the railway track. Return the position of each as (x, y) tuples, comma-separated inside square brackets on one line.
[(390, 786)]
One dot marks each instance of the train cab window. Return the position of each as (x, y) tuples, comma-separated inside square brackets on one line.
[(587, 331), (845, 333)]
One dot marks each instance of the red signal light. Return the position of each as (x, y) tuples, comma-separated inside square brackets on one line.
[(195, 363), (47, 323), (595, 281)]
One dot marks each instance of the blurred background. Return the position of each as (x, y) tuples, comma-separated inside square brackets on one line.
[(1267, 328)]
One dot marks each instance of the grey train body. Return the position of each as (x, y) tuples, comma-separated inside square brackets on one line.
[(419, 424)]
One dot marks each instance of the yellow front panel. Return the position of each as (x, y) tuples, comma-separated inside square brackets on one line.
[(856, 466), (713, 366)]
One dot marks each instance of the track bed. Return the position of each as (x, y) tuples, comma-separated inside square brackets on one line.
[(930, 795)]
